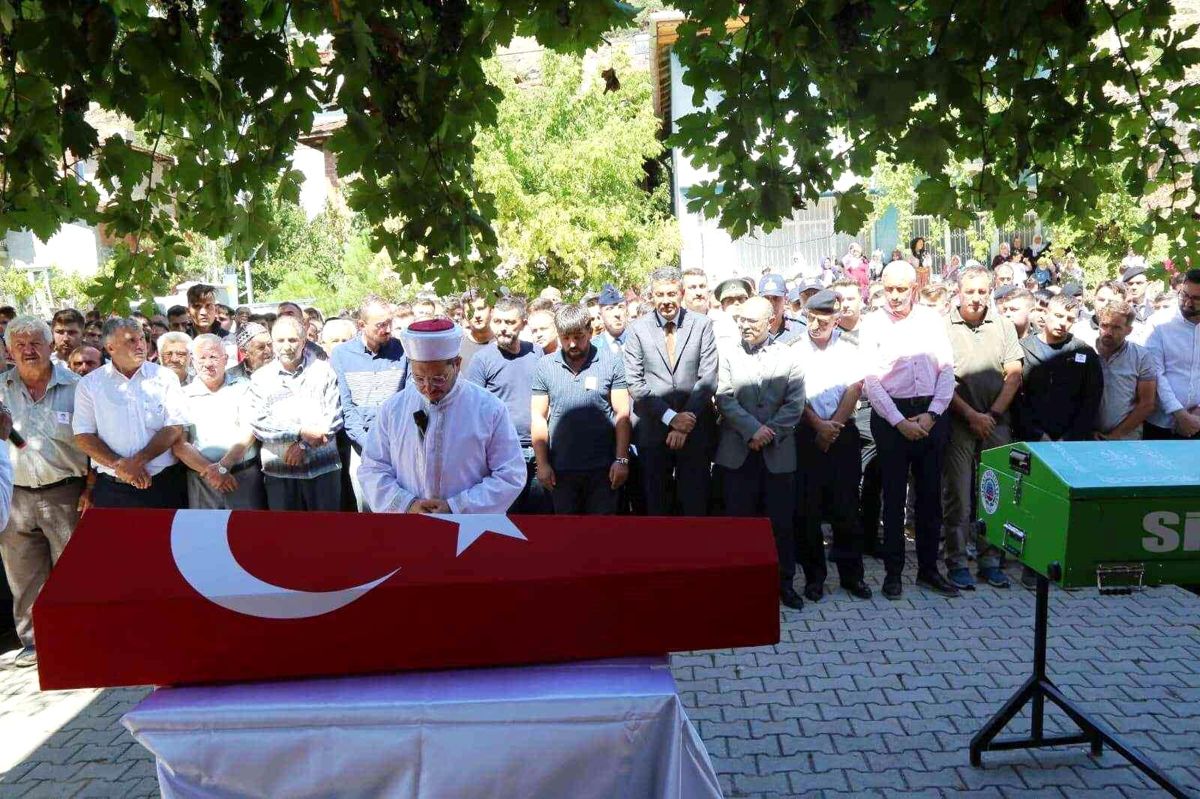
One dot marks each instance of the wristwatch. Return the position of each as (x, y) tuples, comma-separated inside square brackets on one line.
[(303, 444), (624, 461), (222, 469), (935, 416)]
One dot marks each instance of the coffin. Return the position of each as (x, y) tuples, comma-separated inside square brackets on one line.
[(201, 596)]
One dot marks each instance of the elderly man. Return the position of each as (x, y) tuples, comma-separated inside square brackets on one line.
[(296, 412), (909, 382), (47, 473), (760, 392), (987, 374), (580, 420), (175, 353), (671, 370), (84, 360), (129, 414), (370, 368), (1175, 346), (507, 372), (828, 450), (311, 348), (67, 327), (338, 331), (1130, 378), (221, 449), (254, 344), (442, 445)]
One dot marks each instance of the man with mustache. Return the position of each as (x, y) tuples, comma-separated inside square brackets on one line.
[(47, 474), (443, 444), (580, 420), (221, 449), (295, 410), (506, 370), (910, 381), (987, 374)]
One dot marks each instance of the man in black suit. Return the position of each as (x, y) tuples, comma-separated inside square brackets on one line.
[(671, 371)]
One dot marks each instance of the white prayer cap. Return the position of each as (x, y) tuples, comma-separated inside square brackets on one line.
[(431, 340)]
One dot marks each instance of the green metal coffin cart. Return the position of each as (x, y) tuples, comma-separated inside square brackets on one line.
[(1116, 515)]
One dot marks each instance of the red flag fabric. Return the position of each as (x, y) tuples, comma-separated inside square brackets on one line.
[(172, 597)]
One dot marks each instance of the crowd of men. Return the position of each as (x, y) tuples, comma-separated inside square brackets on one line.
[(836, 399)]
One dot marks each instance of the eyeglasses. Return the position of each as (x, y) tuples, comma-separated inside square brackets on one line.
[(441, 381)]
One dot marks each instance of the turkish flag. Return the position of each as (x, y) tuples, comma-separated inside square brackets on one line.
[(168, 597)]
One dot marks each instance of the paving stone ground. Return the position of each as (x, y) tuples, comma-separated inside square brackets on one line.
[(859, 699)]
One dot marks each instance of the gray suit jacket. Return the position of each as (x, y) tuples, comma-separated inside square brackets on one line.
[(687, 385), (766, 387)]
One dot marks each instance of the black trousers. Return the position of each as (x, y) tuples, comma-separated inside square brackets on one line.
[(168, 489), (829, 492), (752, 490), (534, 499), (871, 494), (587, 492), (687, 470), (897, 457), (323, 492), (1152, 432)]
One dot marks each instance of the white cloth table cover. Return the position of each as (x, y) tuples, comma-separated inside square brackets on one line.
[(583, 730)]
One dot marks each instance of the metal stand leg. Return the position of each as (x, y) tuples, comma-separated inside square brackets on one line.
[(1037, 690)]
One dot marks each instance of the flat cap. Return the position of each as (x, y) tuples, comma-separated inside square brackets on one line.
[(1072, 290)]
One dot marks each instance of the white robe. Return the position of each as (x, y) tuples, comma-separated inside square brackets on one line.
[(469, 455)]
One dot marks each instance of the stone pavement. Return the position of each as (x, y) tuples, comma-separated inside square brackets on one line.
[(859, 699)]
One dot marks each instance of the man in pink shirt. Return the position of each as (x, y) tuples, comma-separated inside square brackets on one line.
[(909, 382)]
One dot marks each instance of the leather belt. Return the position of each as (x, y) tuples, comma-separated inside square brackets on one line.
[(48, 486)]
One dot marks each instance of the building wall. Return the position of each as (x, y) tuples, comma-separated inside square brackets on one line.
[(72, 250)]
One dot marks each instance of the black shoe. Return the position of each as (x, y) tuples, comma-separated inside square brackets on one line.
[(857, 589), (1028, 578), (814, 592), (935, 582), (891, 586), (789, 597)]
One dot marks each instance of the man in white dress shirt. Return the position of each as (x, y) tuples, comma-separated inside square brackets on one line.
[(129, 413), (1175, 347), (441, 445)]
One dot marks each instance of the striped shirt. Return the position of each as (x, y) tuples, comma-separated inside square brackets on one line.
[(50, 454), (280, 403), (366, 379)]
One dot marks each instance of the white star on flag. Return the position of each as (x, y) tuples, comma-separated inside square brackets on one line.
[(473, 525)]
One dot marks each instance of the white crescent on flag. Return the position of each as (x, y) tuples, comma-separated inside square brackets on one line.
[(200, 546)]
